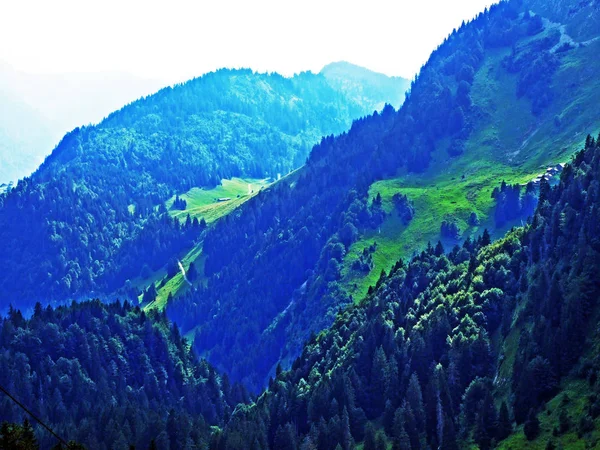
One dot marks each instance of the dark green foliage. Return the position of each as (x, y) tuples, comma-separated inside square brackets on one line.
[(192, 273), (179, 203), (17, 437), (564, 422), (473, 219), (149, 294), (531, 428), (450, 229), (365, 261), (535, 78), (108, 375), (404, 206), (512, 204), (504, 423), (431, 319), (370, 443)]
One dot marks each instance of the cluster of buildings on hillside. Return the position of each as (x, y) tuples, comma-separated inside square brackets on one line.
[(549, 174)]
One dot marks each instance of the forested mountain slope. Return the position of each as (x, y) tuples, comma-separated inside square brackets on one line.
[(91, 216), (110, 376), (506, 95), (452, 350)]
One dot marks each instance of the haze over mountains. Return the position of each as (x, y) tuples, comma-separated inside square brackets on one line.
[(422, 276), (359, 82), (38, 109)]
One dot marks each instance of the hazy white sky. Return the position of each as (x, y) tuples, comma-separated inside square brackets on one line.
[(177, 39)]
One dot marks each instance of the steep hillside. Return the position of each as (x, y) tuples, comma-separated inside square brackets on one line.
[(93, 215), (110, 376), (503, 98), (491, 344)]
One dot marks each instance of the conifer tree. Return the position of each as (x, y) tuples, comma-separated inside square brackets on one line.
[(532, 426), (504, 423), (414, 396), (370, 443)]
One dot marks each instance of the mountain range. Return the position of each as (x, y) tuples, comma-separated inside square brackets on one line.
[(411, 278), (84, 228)]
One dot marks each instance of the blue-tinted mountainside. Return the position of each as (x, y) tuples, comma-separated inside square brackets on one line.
[(506, 98), (489, 345), (322, 292), (92, 215)]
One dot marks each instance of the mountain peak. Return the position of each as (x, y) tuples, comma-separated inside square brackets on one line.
[(350, 69), (359, 81)]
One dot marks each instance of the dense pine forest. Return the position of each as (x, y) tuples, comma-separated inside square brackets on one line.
[(453, 348), (110, 376)]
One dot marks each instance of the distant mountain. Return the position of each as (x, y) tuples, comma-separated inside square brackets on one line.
[(91, 217), (26, 136), (365, 85), (37, 109)]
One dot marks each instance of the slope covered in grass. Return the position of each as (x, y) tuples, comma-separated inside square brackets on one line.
[(508, 142), (212, 203)]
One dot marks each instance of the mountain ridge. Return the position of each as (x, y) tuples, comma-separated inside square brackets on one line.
[(354, 78), (447, 148), (226, 124), (362, 295)]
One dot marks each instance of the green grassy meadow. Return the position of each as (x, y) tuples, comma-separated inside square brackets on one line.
[(508, 143), (202, 204)]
